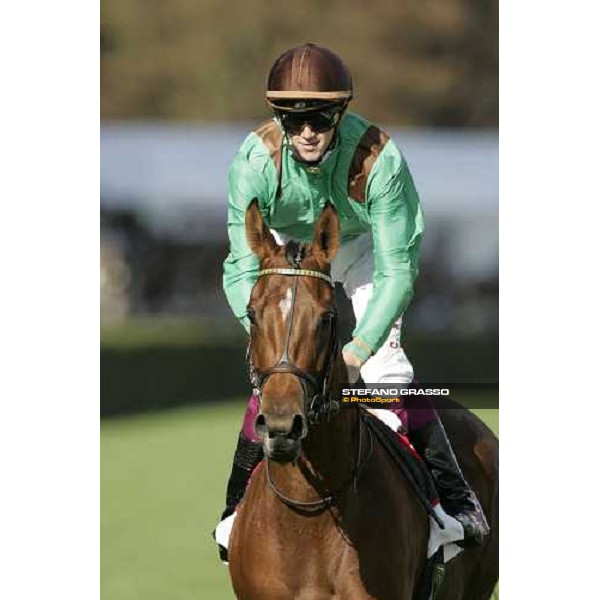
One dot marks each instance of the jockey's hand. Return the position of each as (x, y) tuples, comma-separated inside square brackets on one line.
[(355, 353), (353, 364)]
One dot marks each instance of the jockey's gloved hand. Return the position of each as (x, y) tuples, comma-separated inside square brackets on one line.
[(353, 365), (356, 354)]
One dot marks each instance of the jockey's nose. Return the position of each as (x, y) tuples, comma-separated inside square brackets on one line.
[(307, 133), (290, 426)]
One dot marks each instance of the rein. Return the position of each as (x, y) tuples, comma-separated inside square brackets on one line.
[(323, 503)]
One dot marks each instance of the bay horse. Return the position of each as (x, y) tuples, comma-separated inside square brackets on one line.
[(327, 515)]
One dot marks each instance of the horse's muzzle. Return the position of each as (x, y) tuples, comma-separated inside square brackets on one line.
[(281, 435)]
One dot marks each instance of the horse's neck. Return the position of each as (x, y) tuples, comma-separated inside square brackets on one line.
[(331, 447)]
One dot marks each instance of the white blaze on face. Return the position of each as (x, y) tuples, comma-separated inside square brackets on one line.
[(285, 304)]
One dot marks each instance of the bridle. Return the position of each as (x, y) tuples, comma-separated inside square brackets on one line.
[(318, 400), (319, 403)]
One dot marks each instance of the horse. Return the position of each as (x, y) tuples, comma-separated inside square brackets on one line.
[(327, 515)]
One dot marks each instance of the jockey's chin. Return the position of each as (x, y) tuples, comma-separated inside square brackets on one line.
[(281, 449), (310, 145)]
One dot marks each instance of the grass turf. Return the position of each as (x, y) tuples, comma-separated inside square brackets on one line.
[(163, 479)]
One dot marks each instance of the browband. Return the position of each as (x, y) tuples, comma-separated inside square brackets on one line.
[(296, 272)]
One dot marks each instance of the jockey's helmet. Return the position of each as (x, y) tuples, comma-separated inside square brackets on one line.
[(308, 78)]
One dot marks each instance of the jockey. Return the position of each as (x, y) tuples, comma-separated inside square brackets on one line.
[(313, 151)]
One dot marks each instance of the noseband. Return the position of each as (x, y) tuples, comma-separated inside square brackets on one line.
[(318, 401)]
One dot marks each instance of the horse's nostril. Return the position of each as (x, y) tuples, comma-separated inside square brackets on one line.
[(298, 427), (260, 425), (291, 427)]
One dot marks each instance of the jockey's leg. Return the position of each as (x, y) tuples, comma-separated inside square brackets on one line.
[(427, 435), (248, 454), (353, 266), (426, 432)]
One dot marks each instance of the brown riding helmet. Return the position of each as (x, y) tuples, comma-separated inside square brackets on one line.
[(308, 77)]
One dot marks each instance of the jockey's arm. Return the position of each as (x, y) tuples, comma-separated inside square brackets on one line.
[(240, 268), (397, 227)]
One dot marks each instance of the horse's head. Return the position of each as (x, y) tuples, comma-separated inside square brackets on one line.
[(293, 340)]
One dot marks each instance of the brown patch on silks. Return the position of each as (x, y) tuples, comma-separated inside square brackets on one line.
[(271, 135), (368, 149)]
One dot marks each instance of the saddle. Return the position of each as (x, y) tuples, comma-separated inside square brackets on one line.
[(405, 457)]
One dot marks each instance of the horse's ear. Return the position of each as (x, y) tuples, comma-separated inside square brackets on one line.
[(260, 239), (326, 240)]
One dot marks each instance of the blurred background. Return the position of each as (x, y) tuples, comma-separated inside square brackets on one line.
[(182, 84)]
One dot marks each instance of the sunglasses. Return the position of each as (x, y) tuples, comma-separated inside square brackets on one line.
[(319, 122)]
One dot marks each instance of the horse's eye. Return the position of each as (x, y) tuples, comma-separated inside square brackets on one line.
[(251, 314)]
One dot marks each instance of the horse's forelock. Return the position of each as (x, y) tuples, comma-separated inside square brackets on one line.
[(295, 252)]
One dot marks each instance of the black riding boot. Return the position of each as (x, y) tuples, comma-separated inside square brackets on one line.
[(247, 455), (456, 496)]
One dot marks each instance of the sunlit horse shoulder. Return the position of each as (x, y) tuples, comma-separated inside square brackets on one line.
[(327, 515)]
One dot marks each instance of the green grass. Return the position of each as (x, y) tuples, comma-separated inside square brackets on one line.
[(490, 417), (163, 480), (163, 477)]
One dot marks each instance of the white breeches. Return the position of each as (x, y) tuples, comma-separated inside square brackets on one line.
[(353, 267)]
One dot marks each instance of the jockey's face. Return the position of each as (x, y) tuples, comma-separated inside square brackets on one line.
[(310, 145)]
